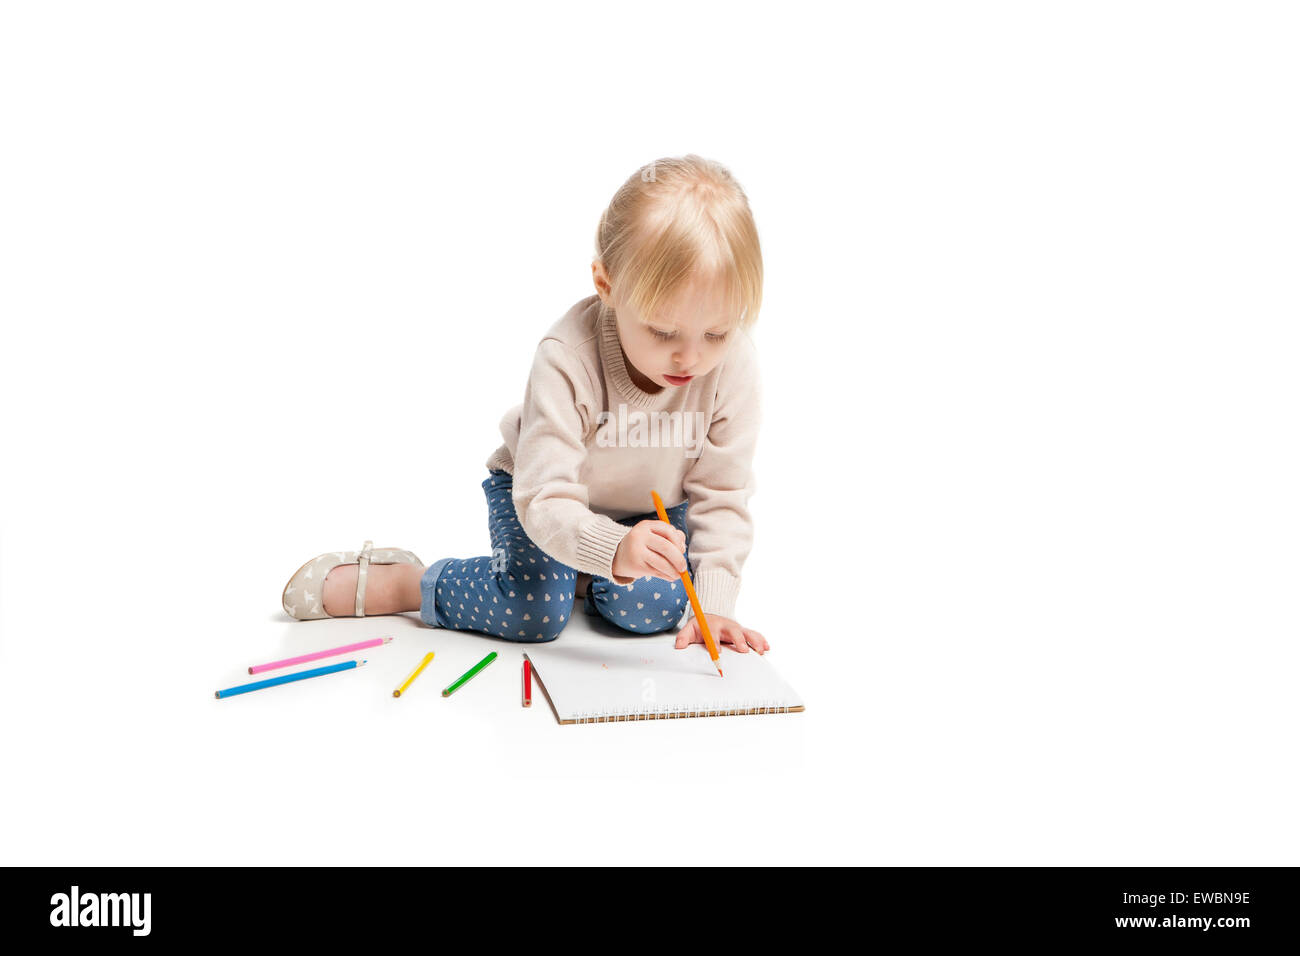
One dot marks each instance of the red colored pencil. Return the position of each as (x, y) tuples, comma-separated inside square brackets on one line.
[(528, 682)]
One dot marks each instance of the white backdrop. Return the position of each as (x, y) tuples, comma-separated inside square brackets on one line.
[(270, 273)]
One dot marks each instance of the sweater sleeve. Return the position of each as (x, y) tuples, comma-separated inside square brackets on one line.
[(721, 482), (549, 496)]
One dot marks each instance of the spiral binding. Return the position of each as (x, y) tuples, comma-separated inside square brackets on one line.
[(712, 709)]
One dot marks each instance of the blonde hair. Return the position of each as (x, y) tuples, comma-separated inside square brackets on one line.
[(675, 219)]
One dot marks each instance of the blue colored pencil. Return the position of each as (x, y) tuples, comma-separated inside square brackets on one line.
[(288, 678)]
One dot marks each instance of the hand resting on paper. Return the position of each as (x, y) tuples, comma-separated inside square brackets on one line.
[(724, 631)]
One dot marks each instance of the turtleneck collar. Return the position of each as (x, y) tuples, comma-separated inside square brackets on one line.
[(611, 355)]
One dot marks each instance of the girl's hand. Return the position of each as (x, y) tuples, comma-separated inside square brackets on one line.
[(724, 631), (653, 548)]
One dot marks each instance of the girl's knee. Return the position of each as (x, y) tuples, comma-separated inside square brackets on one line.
[(651, 606), (648, 626), (535, 627)]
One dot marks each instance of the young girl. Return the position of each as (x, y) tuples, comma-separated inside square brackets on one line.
[(651, 383)]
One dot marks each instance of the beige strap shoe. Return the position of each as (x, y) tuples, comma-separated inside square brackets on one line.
[(302, 598)]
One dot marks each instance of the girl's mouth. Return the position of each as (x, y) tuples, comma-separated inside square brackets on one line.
[(678, 379)]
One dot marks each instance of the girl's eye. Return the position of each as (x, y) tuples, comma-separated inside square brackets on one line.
[(708, 335)]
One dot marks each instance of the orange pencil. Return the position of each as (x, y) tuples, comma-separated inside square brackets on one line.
[(690, 593)]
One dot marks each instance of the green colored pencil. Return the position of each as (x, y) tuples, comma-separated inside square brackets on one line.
[(470, 673)]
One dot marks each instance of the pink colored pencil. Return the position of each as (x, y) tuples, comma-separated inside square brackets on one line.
[(317, 655)]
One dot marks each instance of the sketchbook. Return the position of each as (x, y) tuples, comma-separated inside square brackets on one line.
[(590, 677)]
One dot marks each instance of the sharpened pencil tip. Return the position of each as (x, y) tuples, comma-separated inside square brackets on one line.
[(388, 640)]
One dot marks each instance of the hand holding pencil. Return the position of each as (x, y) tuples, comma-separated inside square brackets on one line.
[(703, 627), (652, 549)]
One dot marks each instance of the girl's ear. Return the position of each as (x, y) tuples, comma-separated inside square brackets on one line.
[(601, 280)]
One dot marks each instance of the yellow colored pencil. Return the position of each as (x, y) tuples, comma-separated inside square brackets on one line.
[(414, 674), (690, 593)]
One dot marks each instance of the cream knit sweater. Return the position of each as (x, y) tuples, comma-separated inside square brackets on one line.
[(587, 446)]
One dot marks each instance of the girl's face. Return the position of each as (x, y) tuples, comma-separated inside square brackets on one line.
[(684, 339)]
